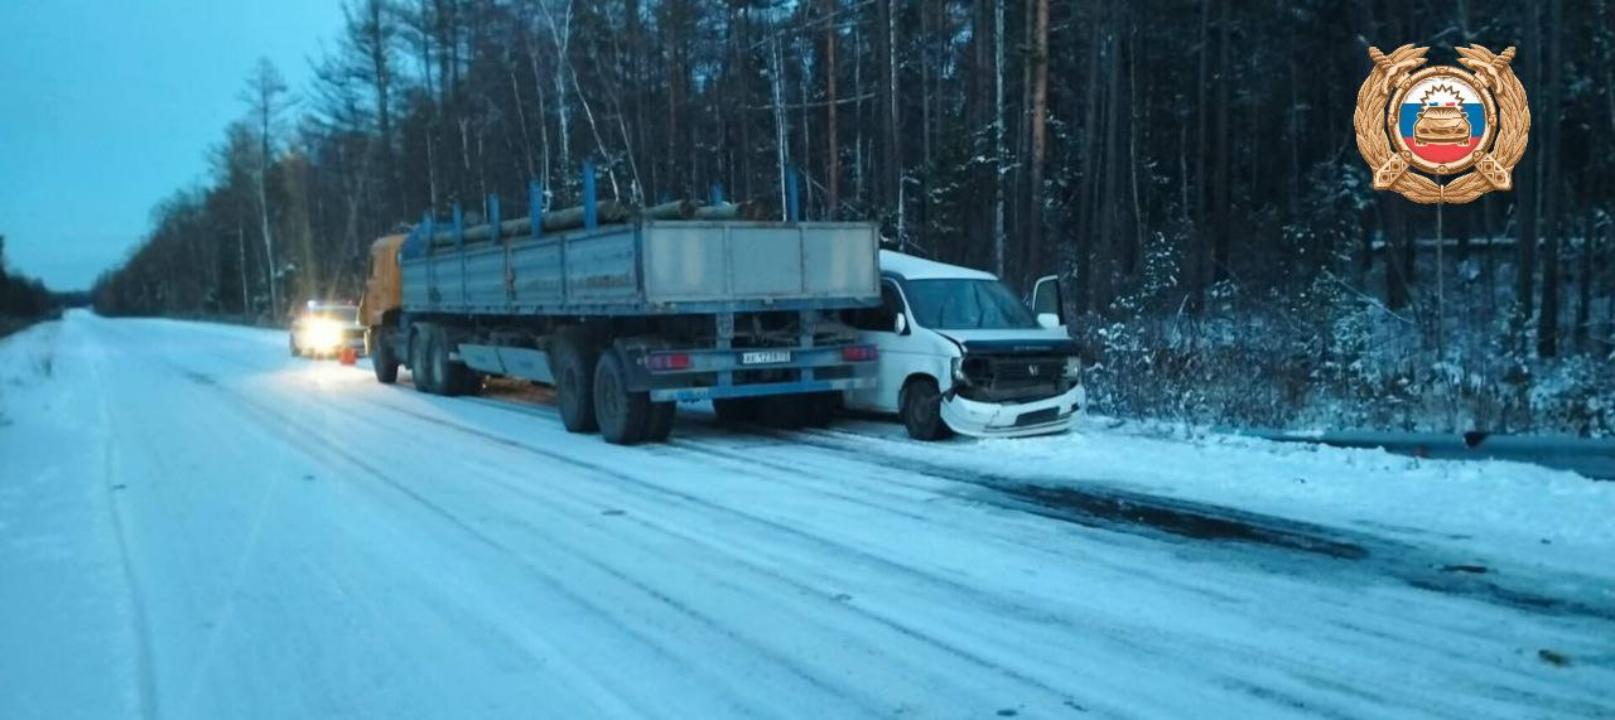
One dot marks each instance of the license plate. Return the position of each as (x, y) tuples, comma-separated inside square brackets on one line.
[(765, 357)]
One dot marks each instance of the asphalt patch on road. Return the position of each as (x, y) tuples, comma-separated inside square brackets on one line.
[(1104, 506), (1183, 519)]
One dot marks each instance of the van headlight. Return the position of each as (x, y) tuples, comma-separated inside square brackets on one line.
[(957, 365), (1073, 367)]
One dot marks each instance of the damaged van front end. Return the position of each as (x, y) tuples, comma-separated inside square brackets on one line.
[(1014, 388)]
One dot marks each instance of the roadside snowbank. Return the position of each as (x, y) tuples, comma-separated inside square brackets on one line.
[(63, 587), (1490, 509)]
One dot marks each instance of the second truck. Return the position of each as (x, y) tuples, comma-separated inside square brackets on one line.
[(627, 312)]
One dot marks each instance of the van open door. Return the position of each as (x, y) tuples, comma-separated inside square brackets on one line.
[(1046, 302)]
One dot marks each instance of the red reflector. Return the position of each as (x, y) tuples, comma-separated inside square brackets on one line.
[(859, 353), (661, 362)]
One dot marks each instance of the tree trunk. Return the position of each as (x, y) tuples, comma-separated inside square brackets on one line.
[(1526, 195), (1548, 323), (1040, 103), (1090, 190), (832, 147), (1000, 150), (1391, 251), (1201, 230), (1584, 280), (891, 149), (241, 247), (1220, 248), (776, 81), (264, 224), (377, 27)]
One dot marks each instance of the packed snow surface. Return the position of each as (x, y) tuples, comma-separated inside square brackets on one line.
[(195, 525)]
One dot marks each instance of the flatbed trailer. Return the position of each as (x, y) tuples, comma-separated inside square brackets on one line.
[(626, 319)]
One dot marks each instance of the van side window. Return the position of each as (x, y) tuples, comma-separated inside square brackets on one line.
[(880, 319)]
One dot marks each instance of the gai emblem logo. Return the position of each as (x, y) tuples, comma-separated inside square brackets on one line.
[(1442, 121)]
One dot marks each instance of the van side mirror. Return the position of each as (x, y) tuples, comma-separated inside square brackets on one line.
[(900, 324), (1048, 321)]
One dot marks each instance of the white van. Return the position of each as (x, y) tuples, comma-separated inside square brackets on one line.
[(959, 353)]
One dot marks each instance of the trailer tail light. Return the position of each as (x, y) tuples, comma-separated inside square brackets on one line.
[(667, 362), (859, 353)]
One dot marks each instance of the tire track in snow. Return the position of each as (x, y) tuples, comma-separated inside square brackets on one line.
[(145, 662), (1162, 651), (906, 466), (289, 429), (589, 503), (494, 404), (1299, 671), (832, 484), (1313, 676), (1102, 505), (1110, 507), (1168, 650)]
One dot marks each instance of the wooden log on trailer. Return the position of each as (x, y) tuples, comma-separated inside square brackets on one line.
[(608, 213)]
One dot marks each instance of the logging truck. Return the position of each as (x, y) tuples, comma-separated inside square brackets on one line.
[(626, 312)]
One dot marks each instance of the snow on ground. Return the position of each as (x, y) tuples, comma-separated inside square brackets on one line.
[(194, 525), (1485, 510)]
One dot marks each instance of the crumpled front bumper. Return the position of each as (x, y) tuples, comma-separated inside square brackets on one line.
[(1008, 420)]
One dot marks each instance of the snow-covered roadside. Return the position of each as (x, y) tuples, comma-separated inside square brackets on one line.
[(63, 584), (1490, 510), (308, 543), (1485, 511)]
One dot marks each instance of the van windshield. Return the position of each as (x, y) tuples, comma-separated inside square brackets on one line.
[(967, 304)]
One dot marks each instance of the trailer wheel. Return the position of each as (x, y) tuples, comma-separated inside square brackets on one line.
[(420, 366), (382, 359), (920, 403), (784, 412), (575, 359), (735, 411), (622, 414), (821, 409), (660, 423)]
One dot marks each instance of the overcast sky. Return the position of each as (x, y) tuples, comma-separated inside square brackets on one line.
[(108, 106)]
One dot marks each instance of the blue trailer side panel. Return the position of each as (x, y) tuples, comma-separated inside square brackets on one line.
[(651, 268)]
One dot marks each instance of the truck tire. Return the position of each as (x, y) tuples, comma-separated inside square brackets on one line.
[(735, 411), (449, 376), (445, 380), (575, 357), (420, 366), (382, 357), (660, 423), (622, 414), (920, 403)]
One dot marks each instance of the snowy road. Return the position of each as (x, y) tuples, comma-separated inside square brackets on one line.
[(194, 525)]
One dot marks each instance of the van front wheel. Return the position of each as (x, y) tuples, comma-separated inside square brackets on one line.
[(920, 404)]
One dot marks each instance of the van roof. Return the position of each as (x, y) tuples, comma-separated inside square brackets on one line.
[(909, 267)]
